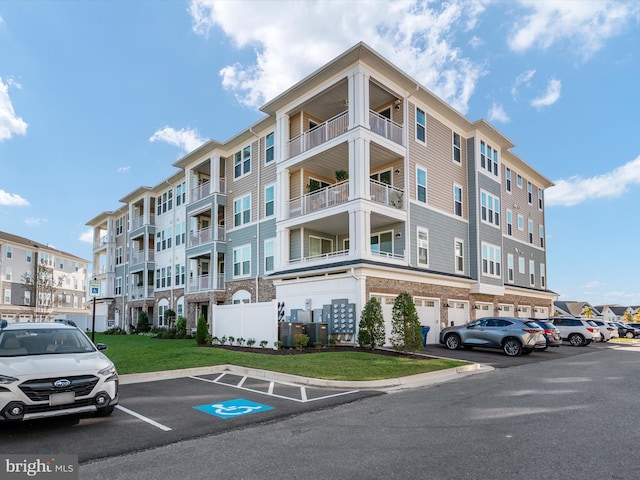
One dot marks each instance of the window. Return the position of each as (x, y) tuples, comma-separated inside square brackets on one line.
[(119, 256), (242, 261), (29, 256), (7, 274), (520, 223), (118, 286), (541, 235), (382, 177), (181, 193), (241, 296), (158, 242), (269, 255), (529, 193), (457, 152), (532, 273), (242, 162), (519, 181), (119, 226), (457, 200), (490, 212), (509, 222), (162, 311), (459, 256), (491, 260), (423, 247), (543, 276), (488, 158), (421, 193), (179, 279), (27, 277), (319, 246), (539, 199), (382, 243), (7, 295), (269, 200), (421, 126), (510, 273), (27, 297), (242, 211), (269, 153), (9, 251), (530, 227), (521, 265)]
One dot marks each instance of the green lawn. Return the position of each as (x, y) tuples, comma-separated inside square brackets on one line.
[(139, 354)]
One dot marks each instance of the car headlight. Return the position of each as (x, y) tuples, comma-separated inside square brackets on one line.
[(108, 371), (6, 380)]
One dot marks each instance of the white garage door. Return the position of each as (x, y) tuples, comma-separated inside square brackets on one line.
[(541, 312), (426, 308), (505, 310), (458, 313)]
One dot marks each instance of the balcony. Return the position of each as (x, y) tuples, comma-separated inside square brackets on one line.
[(327, 197), (141, 292), (205, 283), (386, 194), (200, 192), (206, 235), (385, 127), (318, 135), (140, 257), (138, 222), (320, 256)]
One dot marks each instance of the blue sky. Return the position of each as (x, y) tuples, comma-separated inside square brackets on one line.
[(100, 97)]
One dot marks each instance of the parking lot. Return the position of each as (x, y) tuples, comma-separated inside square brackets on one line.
[(161, 412)]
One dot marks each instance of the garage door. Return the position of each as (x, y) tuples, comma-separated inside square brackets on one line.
[(458, 313), (505, 310), (541, 312), (427, 309)]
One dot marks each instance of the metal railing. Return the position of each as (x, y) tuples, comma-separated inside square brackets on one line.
[(206, 235), (327, 197), (332, 128), (385, 127), (386, 194), (321, 256), (139, 256), (200, 191)]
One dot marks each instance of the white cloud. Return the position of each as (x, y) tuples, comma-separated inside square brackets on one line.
[(523, 79), (612, 184), (187, 140), (585, 25), (10, 124), (476, 42), (304, 35), (12, 199), (34, 222), (550, 96), (593, 284), (497, 114), (86, 236), (126, 169)]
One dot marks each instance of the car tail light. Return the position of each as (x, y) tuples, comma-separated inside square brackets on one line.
[(591, 329), (531, 330), (549, 332)]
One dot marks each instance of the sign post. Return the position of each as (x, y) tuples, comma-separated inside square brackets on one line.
[(94, 291)]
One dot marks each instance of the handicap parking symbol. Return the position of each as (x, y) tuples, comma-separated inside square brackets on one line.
[(233, 408)]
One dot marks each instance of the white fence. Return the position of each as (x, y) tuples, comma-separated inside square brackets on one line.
[(247, 320)]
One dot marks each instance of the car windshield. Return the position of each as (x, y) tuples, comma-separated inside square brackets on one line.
[(39, 341), (532, 324)]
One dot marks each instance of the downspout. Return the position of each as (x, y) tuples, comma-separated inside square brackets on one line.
[(173, 244), (259, 162), (407, 236)]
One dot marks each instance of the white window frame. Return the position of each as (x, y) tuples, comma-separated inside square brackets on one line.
[(418, 185), (240, 258), (530, 230), (521, 265), (7, 274), (519, 180), (489, 209), (458, 255), (532, 273), (422, 244), (511, 275), (271, 187), (268, 147), (27, 297), (9, 251), (543, 276), (491, 260), (322, 241), (541, 235), (508, 176), (7, 296), (379, 235), (241, 159), (540, 200), (28, 256), (424, 126), (270, 244), (520, 223), (529, 193), (456, 148), (457, 202), (241, 202), (509, 222)]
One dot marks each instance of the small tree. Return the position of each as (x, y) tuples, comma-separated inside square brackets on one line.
[(181, 326), (170, 317), (202, 331), (406, 333), (627, 317), (371, 328), (300, 340), (587, 312), (636, 316), (42, 288), (143, 322)]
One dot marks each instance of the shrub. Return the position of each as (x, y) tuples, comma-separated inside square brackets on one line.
[(115, 331), (223, 340), (231, 339), (278, 345), (318, 346), (300, 340), (371, 328), (263, 343), (215, 340), (239, 341), (181, 326), (406, 333), (251, 342), (143, 323), (202, 331)]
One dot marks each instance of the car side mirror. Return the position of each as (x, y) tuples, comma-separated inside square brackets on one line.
[(101, 346)]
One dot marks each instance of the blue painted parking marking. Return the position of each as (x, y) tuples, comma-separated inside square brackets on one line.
[(233, 408)]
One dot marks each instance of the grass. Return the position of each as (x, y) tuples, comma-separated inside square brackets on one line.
[(141, 354)]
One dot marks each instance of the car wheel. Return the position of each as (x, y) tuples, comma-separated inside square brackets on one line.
[(512, 347), (576, 340), (629, 334), (105, 412), (452, 341)]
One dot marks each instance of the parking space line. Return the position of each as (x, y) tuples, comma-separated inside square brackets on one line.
[(303, 392), (241, 383), (143, 418)]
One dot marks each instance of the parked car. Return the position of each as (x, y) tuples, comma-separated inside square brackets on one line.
[(53, 369), (576, 331), (551, 333), (636, 326), (515, 336), (626, 330), (607, 330)]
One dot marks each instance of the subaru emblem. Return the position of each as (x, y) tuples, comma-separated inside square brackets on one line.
[(63, 382)]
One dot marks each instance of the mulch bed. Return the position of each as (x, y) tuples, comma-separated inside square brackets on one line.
[(310, 350)]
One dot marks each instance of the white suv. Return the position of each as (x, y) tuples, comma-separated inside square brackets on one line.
[(53, 369), (577, 331)]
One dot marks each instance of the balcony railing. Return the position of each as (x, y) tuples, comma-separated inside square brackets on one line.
[(385, 127), (327, 197), (332, 128), (386, 194), (205, 283), (381, 253), (200, 191), (139, 256), (321, 256), (206, 235), (223, 185), (138, 222), (141, 292)]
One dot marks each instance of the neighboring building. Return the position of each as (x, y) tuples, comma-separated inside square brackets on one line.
[(358, 182), (612, 313), (38, 282)]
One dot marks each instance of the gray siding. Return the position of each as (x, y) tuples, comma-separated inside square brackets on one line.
[(238, 238), (474, 213), (267, 231)]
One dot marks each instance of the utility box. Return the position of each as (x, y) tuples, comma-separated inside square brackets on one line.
[(305, 316), (286, 332), (317, 333)]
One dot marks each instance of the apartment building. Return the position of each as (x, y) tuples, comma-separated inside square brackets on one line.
[(358, 182), (39, 283)]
